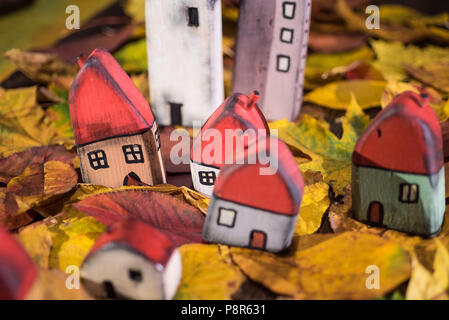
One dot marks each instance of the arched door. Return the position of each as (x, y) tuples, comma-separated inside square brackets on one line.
[(376, 213)]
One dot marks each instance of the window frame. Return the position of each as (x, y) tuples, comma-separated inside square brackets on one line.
[(278, 59), (134, 153), (99, 156), (208, 173), (234, 217), (290, 31), (284, 6), (402, 187), (193, 17)]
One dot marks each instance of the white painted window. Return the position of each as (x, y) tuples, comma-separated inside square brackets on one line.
[(283, 63), (288, 9), (409, 193), (287, 35), (226, 217)]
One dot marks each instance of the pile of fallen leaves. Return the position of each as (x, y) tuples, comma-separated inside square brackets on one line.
[(351, 73)]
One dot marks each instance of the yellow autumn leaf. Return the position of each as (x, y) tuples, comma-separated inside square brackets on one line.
[(335, 268), (23, 123), (314, 204), (62, 240), (425, 285), (51, 285), (37, 241), (391, 56), (321, 150), (337, 95), (206, 275), (389, 31)]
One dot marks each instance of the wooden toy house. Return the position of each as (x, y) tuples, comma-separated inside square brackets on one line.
[(132, 260), (271, 52), (185, 62), (238, 112), (17, 271), (115, 130), (252, 209), (398, 172)]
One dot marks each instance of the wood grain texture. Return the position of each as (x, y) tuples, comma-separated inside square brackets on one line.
[(185, 60), (270, 54), (115, 130)]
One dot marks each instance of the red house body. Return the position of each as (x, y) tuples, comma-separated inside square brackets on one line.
[(132, 260), (255, 205), (17, 271), (226, 134), (398, 172), (115, 130)]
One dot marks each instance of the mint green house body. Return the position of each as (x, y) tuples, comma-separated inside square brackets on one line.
[(398, 173)]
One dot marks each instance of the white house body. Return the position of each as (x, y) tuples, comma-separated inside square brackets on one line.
[(271, 52), (185, 63), (203, 177), (237, 225), (127, 273)]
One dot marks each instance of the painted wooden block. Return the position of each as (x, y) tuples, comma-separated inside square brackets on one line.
[(115, 130), (185, 62), (215, 145), (17, 271), (271, 52), (132, 260), (255, 207), (398, 173)]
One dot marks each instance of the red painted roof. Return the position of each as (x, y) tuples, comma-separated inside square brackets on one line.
[(105, 103), (139, 237), (237, 112), (17, 271), (405, 136), (281, 192)]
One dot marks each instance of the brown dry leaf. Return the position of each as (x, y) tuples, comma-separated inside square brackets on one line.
[(331, 269), (335, 42), (206, 274), (42, 182), (433, 74), (51, 285), (40, 67)]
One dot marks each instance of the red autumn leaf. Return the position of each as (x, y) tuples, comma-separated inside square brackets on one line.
[(178, 220)]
